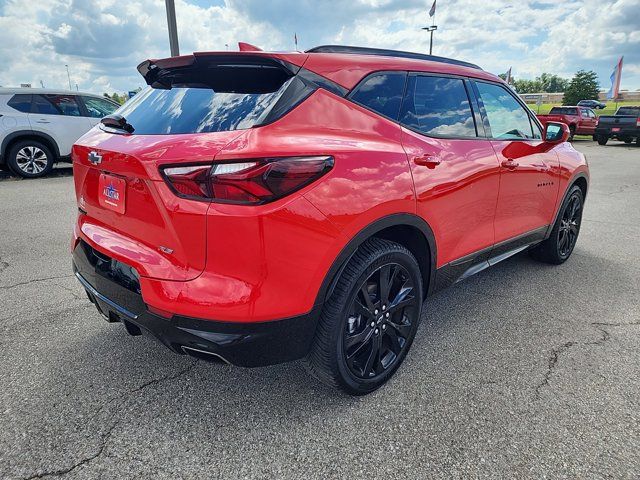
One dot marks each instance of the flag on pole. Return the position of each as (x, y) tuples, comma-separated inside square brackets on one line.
[(508, 76), (612, 94), (295, 39), (432, 12)]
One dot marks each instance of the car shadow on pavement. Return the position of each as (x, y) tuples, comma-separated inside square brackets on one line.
[(58, 171), (488, 298)]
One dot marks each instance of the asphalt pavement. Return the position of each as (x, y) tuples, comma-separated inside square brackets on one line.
[(525, 370)]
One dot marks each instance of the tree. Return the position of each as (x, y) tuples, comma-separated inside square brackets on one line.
[(553, 83), (583, 86), (527, 86), (118, 98)]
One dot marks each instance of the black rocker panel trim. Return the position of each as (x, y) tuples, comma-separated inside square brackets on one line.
[(475, 262)]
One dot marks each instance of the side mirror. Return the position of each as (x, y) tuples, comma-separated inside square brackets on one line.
[(556, 132)]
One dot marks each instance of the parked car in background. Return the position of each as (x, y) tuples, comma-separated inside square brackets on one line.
[(263, 207), (39, 126), (624, 126), (580, 120), (592, 104)]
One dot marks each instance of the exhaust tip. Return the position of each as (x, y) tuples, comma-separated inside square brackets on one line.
[(204, 355), (131, 328)]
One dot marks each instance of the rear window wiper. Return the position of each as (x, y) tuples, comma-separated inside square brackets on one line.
[(118, 122)]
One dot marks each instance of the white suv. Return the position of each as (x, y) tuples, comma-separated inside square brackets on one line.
[(39, 126)]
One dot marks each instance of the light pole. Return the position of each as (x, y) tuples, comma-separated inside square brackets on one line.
[(430, 29), (68, 76), (173, 29)]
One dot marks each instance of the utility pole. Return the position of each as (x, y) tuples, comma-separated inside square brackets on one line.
[(173, 29), (430, 29), (68, 76), (433, 27)]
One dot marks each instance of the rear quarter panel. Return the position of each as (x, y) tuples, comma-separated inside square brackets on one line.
[(290, 245)]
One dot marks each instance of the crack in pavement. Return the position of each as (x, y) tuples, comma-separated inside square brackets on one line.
[(3, 265), (72, 292), (605, 335), (35, 280), (604, 324), (553, 361), (558, 351), (104, 441)]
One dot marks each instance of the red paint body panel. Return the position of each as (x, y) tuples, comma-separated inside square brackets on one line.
[(528, 190), (241, 263), (458, 196)]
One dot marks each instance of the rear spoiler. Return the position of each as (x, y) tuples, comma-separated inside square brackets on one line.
[(153, 71)]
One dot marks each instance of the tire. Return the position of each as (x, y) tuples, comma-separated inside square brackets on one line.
[(30, 159), (627, 140), (595, 138), (602, 139), (360, 340), (572, 133), (638, 141), (564, 235)]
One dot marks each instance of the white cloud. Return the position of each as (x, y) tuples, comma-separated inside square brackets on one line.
[(103, 41)]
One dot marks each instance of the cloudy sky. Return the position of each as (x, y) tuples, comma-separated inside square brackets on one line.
[(102, 41)]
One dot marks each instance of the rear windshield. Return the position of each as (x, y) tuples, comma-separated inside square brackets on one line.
[(196, 110), (563, 111), (629, 111)]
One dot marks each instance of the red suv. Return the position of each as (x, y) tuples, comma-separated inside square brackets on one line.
[(258, 207)]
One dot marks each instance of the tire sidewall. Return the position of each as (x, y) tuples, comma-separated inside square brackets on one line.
[(555, 235), (13, 152), (346, 377)]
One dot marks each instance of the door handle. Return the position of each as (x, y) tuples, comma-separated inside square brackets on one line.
[(428, 161), (509, 164), (43, 121)]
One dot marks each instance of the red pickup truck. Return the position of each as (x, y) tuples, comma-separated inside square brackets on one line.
[(581, 120)]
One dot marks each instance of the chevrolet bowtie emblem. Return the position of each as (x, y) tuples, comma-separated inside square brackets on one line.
[(95, 158)]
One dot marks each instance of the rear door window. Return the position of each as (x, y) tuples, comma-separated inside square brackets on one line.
[(438, 106), (21, 102), (98, 108), (56, 105), (563, 111), (382, 93), (629, 111)]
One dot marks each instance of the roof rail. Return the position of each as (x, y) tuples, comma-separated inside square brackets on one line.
[(388, 53)]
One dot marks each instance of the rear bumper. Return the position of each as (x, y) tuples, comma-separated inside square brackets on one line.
[(631, 131), (243, 344)]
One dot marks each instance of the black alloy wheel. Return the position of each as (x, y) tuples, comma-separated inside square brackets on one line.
[(369, 321), (570, 226), (379, 322), (557, 248)]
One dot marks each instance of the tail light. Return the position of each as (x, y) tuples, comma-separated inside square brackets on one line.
[(638, 122), (246, 182)]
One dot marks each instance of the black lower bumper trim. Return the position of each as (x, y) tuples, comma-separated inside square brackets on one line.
[(244, 344)]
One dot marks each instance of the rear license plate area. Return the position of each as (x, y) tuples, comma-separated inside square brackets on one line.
[(112, 192)]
